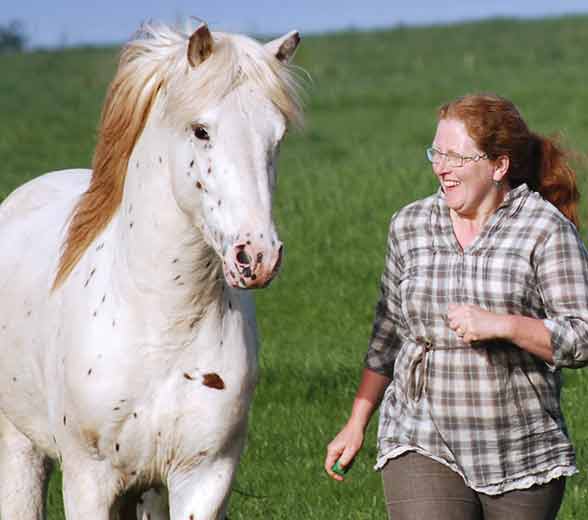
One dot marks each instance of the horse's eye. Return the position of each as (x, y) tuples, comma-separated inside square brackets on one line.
[(200, 133)]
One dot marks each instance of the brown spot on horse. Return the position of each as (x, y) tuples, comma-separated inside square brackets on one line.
[(213, 380)]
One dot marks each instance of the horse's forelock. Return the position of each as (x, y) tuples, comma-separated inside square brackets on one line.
[(234, 59)]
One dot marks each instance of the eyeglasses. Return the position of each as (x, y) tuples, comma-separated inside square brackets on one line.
[(452, 159)]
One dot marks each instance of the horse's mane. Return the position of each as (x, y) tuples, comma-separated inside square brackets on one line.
[(155, 62)]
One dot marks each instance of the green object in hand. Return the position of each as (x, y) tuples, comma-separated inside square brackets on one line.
[(336, 468)]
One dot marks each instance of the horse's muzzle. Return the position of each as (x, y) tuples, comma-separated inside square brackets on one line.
[(251, 266)]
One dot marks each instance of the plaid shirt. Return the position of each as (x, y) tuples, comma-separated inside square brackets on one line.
[(489, 411)]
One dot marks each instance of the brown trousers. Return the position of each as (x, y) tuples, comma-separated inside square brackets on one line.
[(419, 488)]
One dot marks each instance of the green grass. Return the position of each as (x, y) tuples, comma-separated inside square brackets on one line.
[(370, 115)]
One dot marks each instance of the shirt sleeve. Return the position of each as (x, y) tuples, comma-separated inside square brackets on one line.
[(385, 341), (562, 275)]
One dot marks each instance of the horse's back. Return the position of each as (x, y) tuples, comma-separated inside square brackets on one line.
[(35, 215), (44, 192), (33, 222)]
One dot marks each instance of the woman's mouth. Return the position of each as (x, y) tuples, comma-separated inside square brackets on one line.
[(449, 184)]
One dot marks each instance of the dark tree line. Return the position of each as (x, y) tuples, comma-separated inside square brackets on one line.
[(12, 37)]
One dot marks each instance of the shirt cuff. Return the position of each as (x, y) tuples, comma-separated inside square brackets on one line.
[(563, 348)]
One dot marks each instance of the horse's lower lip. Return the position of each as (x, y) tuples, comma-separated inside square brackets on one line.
[(251, 287), (250, 282)]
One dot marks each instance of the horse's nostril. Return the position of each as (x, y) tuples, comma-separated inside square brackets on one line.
[(243, 258)]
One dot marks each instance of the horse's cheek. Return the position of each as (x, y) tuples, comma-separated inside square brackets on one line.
[(187, 189)]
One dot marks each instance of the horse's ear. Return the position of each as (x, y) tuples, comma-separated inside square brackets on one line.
[(284, 48), (200, 45)]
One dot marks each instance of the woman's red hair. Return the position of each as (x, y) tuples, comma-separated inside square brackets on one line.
[(498, 129)]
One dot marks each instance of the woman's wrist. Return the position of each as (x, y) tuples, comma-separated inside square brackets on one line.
[(527, 333), (505, 326), (360, 414)]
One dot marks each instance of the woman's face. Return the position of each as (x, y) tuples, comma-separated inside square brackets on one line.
[(469, 189)]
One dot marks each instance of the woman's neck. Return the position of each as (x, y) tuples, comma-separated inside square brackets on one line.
[(467, 227)]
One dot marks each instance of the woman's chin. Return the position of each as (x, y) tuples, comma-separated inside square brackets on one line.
[(454, 199)]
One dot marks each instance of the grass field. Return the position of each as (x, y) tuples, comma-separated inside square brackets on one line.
[(370, 115)]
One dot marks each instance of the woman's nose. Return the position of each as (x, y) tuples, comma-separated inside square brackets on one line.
[(440, 166)]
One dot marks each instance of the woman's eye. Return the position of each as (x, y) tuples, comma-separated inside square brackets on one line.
[(201, 133)]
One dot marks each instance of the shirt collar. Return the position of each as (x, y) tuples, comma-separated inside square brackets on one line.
[(441, 220), (514, 198)]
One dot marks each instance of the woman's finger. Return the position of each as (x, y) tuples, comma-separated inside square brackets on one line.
[(333, 454)]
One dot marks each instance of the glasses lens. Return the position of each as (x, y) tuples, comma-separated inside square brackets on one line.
[(454, 160)]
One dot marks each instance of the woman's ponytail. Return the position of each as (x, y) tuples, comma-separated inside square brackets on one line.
[(557, 180)]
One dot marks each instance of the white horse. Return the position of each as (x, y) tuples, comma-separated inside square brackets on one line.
[(125, 352)]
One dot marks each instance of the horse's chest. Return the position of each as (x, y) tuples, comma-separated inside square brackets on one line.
[(186, 415), (165, 404)]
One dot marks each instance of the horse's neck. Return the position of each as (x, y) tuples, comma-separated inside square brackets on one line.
[(162, 255)]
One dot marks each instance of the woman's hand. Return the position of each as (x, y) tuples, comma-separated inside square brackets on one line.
[(348, 442), (472, 323), (343, 448)]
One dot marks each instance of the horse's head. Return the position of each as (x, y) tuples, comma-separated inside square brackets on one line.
[(229, 128), (219, 105)]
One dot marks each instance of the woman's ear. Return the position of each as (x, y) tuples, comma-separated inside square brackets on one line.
[(501, 166)]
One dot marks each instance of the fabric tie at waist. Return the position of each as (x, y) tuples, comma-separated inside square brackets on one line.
[(415, 384)]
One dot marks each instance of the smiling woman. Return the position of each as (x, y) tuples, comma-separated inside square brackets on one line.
[(484, 298)]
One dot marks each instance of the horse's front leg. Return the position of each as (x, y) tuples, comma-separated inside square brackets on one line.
[(203, 492), (23, 475), (89, 489)]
